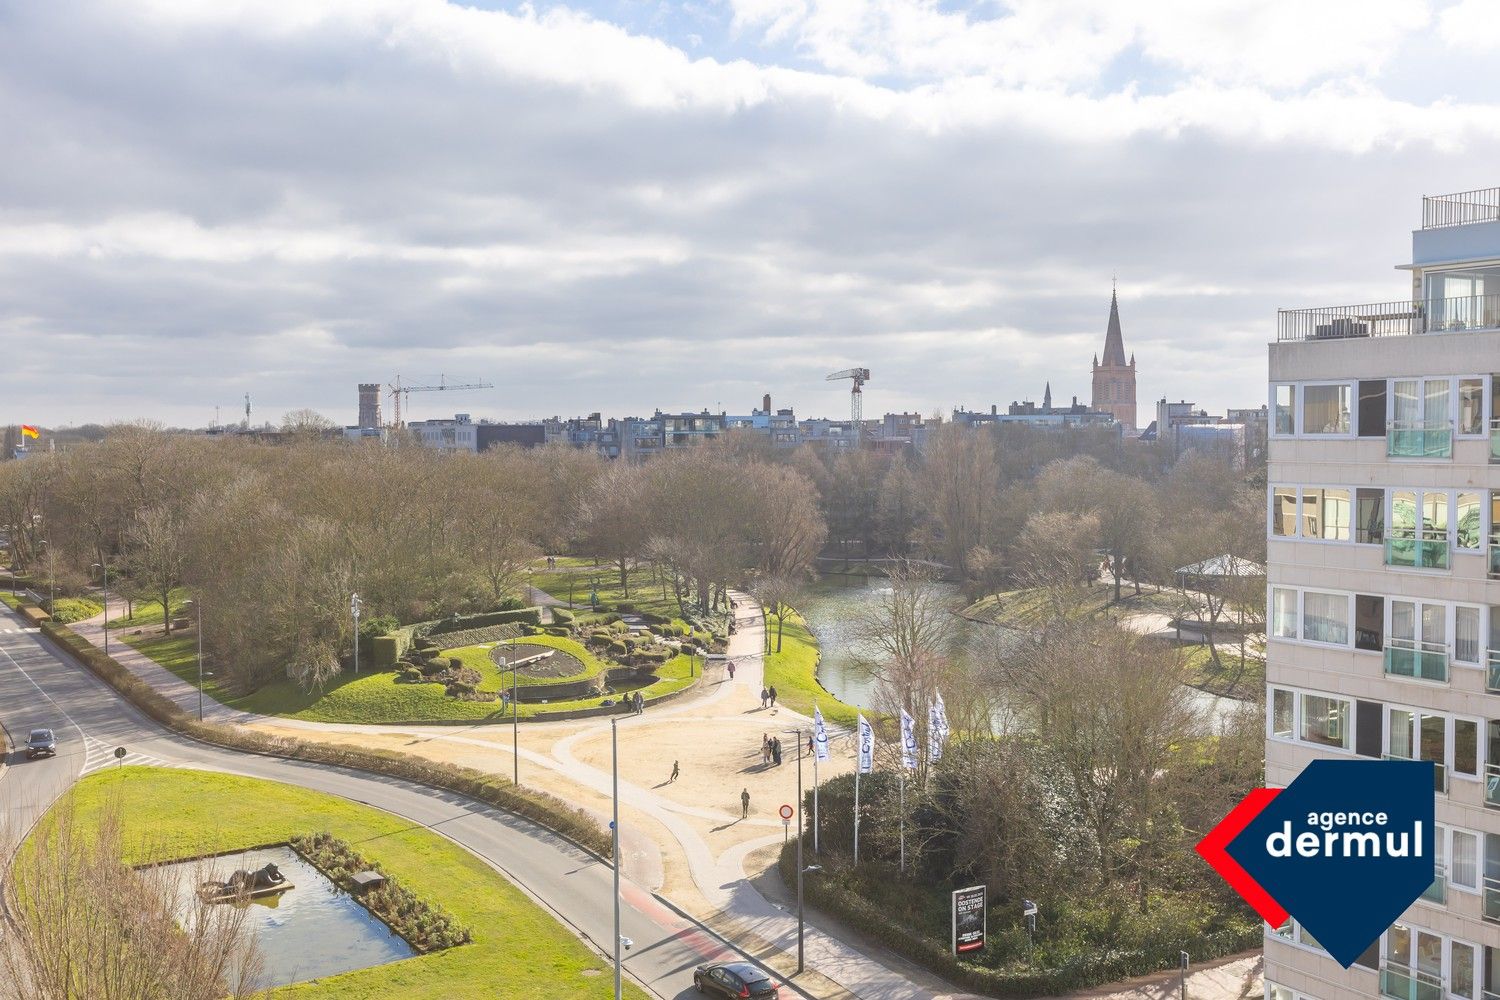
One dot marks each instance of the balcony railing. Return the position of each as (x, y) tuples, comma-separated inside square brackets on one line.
[(1439, 774), (1424, 661), (1390, 319), (1409, 984), (1495, 440), (1463, 209), (1427, 552), (1492, 787), (1492, 672), (1419, 439), (1494, 559), (1437, 892), (1491, 908)]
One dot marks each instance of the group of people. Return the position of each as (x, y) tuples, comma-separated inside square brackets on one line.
[(768, 697), (637, 703), (770, 749)]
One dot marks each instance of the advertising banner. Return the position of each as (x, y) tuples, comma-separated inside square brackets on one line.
[(969, 920)]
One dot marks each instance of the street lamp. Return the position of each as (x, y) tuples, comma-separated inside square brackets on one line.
[(198, 609), (355, 604), (614, 828), (51, 579), (503, 663), (801, 748), (104, 570)]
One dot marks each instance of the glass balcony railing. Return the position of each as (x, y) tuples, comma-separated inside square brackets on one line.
[(1440, 775), (1492, 785), (1409, 984), (1423, 661), (1419, 440), (1492, 672), (1495, 439), (1494, 559), (1417, 553), (1491, 908), (1437, 892)]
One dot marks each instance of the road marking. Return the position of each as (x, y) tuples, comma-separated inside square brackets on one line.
[(99, 755), (17, 631), (44, 694)]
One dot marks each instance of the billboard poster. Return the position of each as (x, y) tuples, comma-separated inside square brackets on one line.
[(969, 918)]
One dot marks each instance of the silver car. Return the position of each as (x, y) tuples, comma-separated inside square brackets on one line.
[(41, 743)]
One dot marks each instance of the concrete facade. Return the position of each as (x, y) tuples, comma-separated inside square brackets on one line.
[(1382, 611)]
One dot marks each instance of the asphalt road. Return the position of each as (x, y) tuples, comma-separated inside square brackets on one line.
[(41, 688)]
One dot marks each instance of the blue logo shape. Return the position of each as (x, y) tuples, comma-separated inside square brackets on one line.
[(1345, 848)]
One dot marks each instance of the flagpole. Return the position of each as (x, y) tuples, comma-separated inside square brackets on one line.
[(815, 805), (903, 820), (856, 814)]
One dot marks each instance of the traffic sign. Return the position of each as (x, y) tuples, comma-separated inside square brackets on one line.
[(786, 813), (119, 753)]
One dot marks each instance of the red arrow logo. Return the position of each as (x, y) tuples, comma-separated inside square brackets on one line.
[(1212, 849)]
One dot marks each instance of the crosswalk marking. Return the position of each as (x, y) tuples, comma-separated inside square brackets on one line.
[(99, 755), (17, 631)]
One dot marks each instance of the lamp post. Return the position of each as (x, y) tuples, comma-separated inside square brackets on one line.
[(198, 609), (800, 869), (104, 570), (51, 579), (355, 604), (614, 827), (515, 721)]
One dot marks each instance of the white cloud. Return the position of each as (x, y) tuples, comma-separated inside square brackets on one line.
[(1471, 24)]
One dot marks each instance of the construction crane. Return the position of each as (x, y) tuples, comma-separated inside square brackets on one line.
[(856, 394), (398, 390)]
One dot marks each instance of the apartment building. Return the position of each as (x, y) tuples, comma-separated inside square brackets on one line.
[(1383, 521)]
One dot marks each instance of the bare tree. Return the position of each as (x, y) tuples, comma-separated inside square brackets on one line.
[(157, 557), (88, 925)]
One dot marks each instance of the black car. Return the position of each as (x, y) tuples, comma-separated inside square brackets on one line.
[(41, 743), (735, 979)]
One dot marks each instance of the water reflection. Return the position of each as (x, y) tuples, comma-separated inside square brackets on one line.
[(308, 932)]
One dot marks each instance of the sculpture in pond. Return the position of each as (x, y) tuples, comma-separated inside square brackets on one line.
[(244, 883)]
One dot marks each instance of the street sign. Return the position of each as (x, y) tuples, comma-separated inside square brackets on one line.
[(787, 812), (119, 753), (969, 919)]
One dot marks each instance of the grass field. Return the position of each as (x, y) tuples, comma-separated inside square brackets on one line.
[(518, 950), (1024, 608), (376, 698), (584, 578), (794, 673), (148, 612)]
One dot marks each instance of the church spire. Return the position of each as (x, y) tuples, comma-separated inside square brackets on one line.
[(1114, 341), (1047, 397)]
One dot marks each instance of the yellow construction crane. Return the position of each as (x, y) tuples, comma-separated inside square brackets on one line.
[(856, 393), (398, 390)]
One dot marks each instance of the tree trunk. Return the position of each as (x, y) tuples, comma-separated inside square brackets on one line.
[(624, 580), (780, 626), (166, 612)]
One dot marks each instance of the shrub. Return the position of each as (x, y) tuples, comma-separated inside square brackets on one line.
[(625, 607), (558, 631), (385, 649), (619, 647), (563, 616), (511, 604), (67, 610), (411, 675)]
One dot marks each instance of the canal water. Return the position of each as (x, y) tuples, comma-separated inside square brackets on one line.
[(308, 932), (834, 612)]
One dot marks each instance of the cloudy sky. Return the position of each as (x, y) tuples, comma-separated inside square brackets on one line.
[(627, 205)]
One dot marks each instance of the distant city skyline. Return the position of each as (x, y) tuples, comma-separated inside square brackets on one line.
[(616, 206)]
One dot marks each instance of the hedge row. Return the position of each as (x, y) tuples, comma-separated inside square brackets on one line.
[(539, 807), (1105, 965), (461, 623)]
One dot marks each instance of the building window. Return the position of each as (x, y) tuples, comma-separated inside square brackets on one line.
[(1469, 522), (1369, 622), (1466, 644), (1284, 511), (1325, 409), (1463, 866), (1471, 406), (1284, 613), (1284, 405), (1283, 722), (1369, 516), (1325, 618), (1325, 721), (1372, 408)]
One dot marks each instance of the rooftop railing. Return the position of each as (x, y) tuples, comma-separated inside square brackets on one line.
[(1390, 319), (1465, 208)]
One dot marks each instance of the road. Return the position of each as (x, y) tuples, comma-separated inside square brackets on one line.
[(40, 687)]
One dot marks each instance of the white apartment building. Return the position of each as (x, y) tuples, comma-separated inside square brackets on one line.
[(1383, 604)]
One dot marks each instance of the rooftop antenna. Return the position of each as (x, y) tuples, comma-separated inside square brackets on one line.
[(247, 411)]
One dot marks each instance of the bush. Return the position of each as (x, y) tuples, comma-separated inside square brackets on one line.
[(510, 604), (558, 631), (619, 647), (385, 650), (625, 607), (67, 610), (563, 616), (411, 675)]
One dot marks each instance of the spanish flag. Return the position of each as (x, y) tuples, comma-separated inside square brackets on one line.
[(28, 431)]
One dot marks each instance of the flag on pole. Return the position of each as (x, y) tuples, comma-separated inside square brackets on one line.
[(28, 431), (937, 728), (866, 747), (908, 742), (820, 735)]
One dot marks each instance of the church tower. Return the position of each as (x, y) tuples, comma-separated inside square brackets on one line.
[(1114, 380)]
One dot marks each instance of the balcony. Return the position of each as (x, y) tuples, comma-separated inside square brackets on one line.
[(1492, 787), (1437, 892), (1420, 553), (1463, 209), (1408, 318), (1420, 439), (1491, 908), (1495, 440), (1408, 984), (1423, 661), (1439, 775)]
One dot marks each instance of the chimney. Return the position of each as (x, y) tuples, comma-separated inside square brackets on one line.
[(765, 403)]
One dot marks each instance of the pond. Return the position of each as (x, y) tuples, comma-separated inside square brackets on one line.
[(308, 932), (833, 613)]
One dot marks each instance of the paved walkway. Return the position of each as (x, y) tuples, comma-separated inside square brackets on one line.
[(684, 838)]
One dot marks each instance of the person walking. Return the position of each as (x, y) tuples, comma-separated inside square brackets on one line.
[(776, 750), (731, 670), (640, 703), (764, 694), (745, 804), (772, 692), (675, 772)]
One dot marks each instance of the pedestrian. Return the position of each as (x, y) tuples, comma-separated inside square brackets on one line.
[(675, 772), (745, 804), (772, 692), (731, 670), (776, 750), (764, 694), (640, 703)]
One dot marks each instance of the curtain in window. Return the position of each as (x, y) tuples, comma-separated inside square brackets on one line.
[(1284, 613), (1325, 617), (1402, 733), (1464, 866), (1466, 635)]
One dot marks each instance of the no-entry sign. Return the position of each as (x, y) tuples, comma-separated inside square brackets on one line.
[(787, 813)]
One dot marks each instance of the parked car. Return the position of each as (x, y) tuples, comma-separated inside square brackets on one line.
[(735, 979), (41, 743)]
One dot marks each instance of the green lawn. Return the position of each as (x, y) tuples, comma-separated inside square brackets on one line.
[(377, 698), (1231, 678), (11, 600), (148, 612), (643, 594), (794, 673), (478, 657), (518, 950), (1023, 608)]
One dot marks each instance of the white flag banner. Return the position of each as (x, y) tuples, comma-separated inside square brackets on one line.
[(937, 728), (908, 742), (866, 747), (820, 735)]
